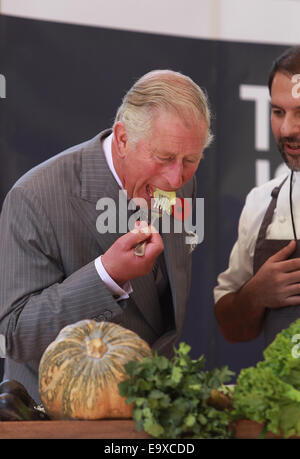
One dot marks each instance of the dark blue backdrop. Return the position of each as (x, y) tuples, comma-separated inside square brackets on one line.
[(64, 84)]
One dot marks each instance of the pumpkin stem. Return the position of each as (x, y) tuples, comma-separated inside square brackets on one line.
[(95, 348)]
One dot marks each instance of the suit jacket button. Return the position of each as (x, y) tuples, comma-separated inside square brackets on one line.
[(107, 315)]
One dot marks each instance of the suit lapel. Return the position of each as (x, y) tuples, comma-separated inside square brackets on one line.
[(98, 187)]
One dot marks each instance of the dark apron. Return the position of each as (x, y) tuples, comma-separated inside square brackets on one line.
[(275, 319)]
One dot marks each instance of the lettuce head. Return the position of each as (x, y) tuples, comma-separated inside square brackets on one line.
[(269, 393)]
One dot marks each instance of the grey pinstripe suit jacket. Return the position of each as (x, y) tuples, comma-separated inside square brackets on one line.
[(48, 245)]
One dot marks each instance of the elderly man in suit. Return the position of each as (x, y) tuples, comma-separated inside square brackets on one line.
[(57, 267)]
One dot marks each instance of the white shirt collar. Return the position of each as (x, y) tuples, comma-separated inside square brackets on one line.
[(108, 155)]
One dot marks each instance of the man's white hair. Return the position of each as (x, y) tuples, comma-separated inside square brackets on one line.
[(162, 90)]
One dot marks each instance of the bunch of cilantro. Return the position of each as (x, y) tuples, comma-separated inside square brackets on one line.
[(270, 392), (171, 397)]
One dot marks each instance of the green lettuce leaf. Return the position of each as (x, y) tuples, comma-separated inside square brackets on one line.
[(269, 393)]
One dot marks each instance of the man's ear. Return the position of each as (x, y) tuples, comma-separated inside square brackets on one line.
[(121, 139)]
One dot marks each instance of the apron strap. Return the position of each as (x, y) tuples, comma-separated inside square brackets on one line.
[(269, 213)]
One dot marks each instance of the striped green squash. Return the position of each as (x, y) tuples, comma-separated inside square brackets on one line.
[(80, 371)]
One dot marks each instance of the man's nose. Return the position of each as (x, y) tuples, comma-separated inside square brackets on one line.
[(290, 126), (174, 175)]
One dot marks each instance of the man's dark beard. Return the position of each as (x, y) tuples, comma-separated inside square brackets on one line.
[(280, 144)]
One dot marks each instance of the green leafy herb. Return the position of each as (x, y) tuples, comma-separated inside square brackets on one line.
[(172, 397)]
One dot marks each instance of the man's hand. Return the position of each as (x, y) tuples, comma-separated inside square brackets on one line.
[(277, 283), (120, 261)]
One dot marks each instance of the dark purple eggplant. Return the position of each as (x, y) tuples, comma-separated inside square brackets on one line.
[(11, 386), (16, 404), (13, 409)]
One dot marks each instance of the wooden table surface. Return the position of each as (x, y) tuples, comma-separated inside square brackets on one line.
[(114, 429), (251, 430), (102, 429)]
